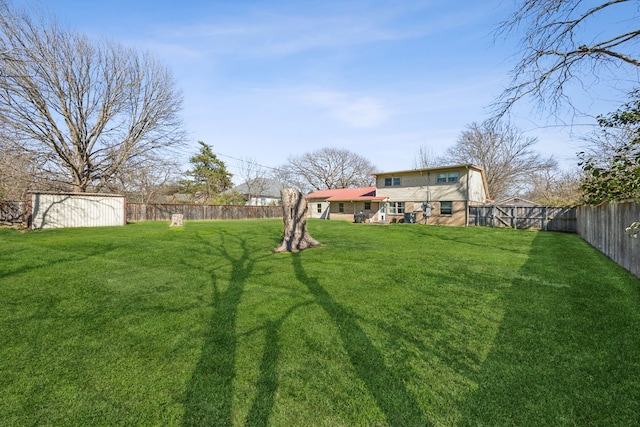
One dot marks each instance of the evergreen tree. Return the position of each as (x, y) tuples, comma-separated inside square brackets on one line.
[(209, 176)]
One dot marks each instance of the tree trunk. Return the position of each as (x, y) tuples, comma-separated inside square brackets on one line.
[(294, 212)]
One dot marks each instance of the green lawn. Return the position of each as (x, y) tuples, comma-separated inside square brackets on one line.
[(402, 325)]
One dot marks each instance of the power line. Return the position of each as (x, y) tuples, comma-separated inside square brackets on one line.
[(562, 126), (247, 161)]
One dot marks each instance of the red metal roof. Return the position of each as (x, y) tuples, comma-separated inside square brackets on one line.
[(346, 194)]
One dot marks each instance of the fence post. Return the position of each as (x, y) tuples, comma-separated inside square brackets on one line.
[(494, 215)]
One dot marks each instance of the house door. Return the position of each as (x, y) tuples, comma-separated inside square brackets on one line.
[(383, 212)]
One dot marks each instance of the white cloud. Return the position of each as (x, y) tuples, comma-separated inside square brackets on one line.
[(276, 36), (354, 111), (282, 31), (173, 52)]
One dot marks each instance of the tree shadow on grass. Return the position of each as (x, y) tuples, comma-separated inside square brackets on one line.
[(394, 400), (209, 394), (568, 345), (267, 383)]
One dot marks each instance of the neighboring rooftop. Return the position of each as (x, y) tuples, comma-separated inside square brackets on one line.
[(263, 187)]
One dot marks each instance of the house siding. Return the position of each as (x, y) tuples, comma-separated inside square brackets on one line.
[(371, 214), (458, 217), (422, 186), (351, 208), (331, 210), (477, 193), (312, 208)]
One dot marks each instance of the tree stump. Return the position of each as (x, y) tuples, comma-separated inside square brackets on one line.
[(294, 213), (176, 220)]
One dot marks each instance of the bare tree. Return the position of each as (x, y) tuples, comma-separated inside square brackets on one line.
[(604, 143), (21, 170), (426, 158), (328, 168), (147, 182), (284, 175), (17, 171), (86, 109), (568, 40), (503, 152), (555, 188), (256, 180)]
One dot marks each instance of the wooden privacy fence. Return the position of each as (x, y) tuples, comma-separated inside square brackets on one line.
[(604, 228), (163, 212), (524, 217)]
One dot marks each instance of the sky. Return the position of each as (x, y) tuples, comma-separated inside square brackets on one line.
[(263, 80)]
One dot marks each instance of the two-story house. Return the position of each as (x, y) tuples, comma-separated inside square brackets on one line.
[(432, 196), (428, 196)]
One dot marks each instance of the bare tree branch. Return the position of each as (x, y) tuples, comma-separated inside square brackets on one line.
[(256, 180), (563, 41), (91, 108), (503, 152), (425, 158), (329, 168)]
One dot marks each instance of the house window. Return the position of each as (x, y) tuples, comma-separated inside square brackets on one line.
[(367, 206), (341, 207), (446, 208), (319, 208), (393, 181), (396, 207), (447, 177)]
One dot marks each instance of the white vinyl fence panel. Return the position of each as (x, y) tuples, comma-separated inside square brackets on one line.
[(50, 210)]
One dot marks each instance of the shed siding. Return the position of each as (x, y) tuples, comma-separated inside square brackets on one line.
[(76, 210)]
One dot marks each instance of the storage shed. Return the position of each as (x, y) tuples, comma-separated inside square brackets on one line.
[(65, 210)]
